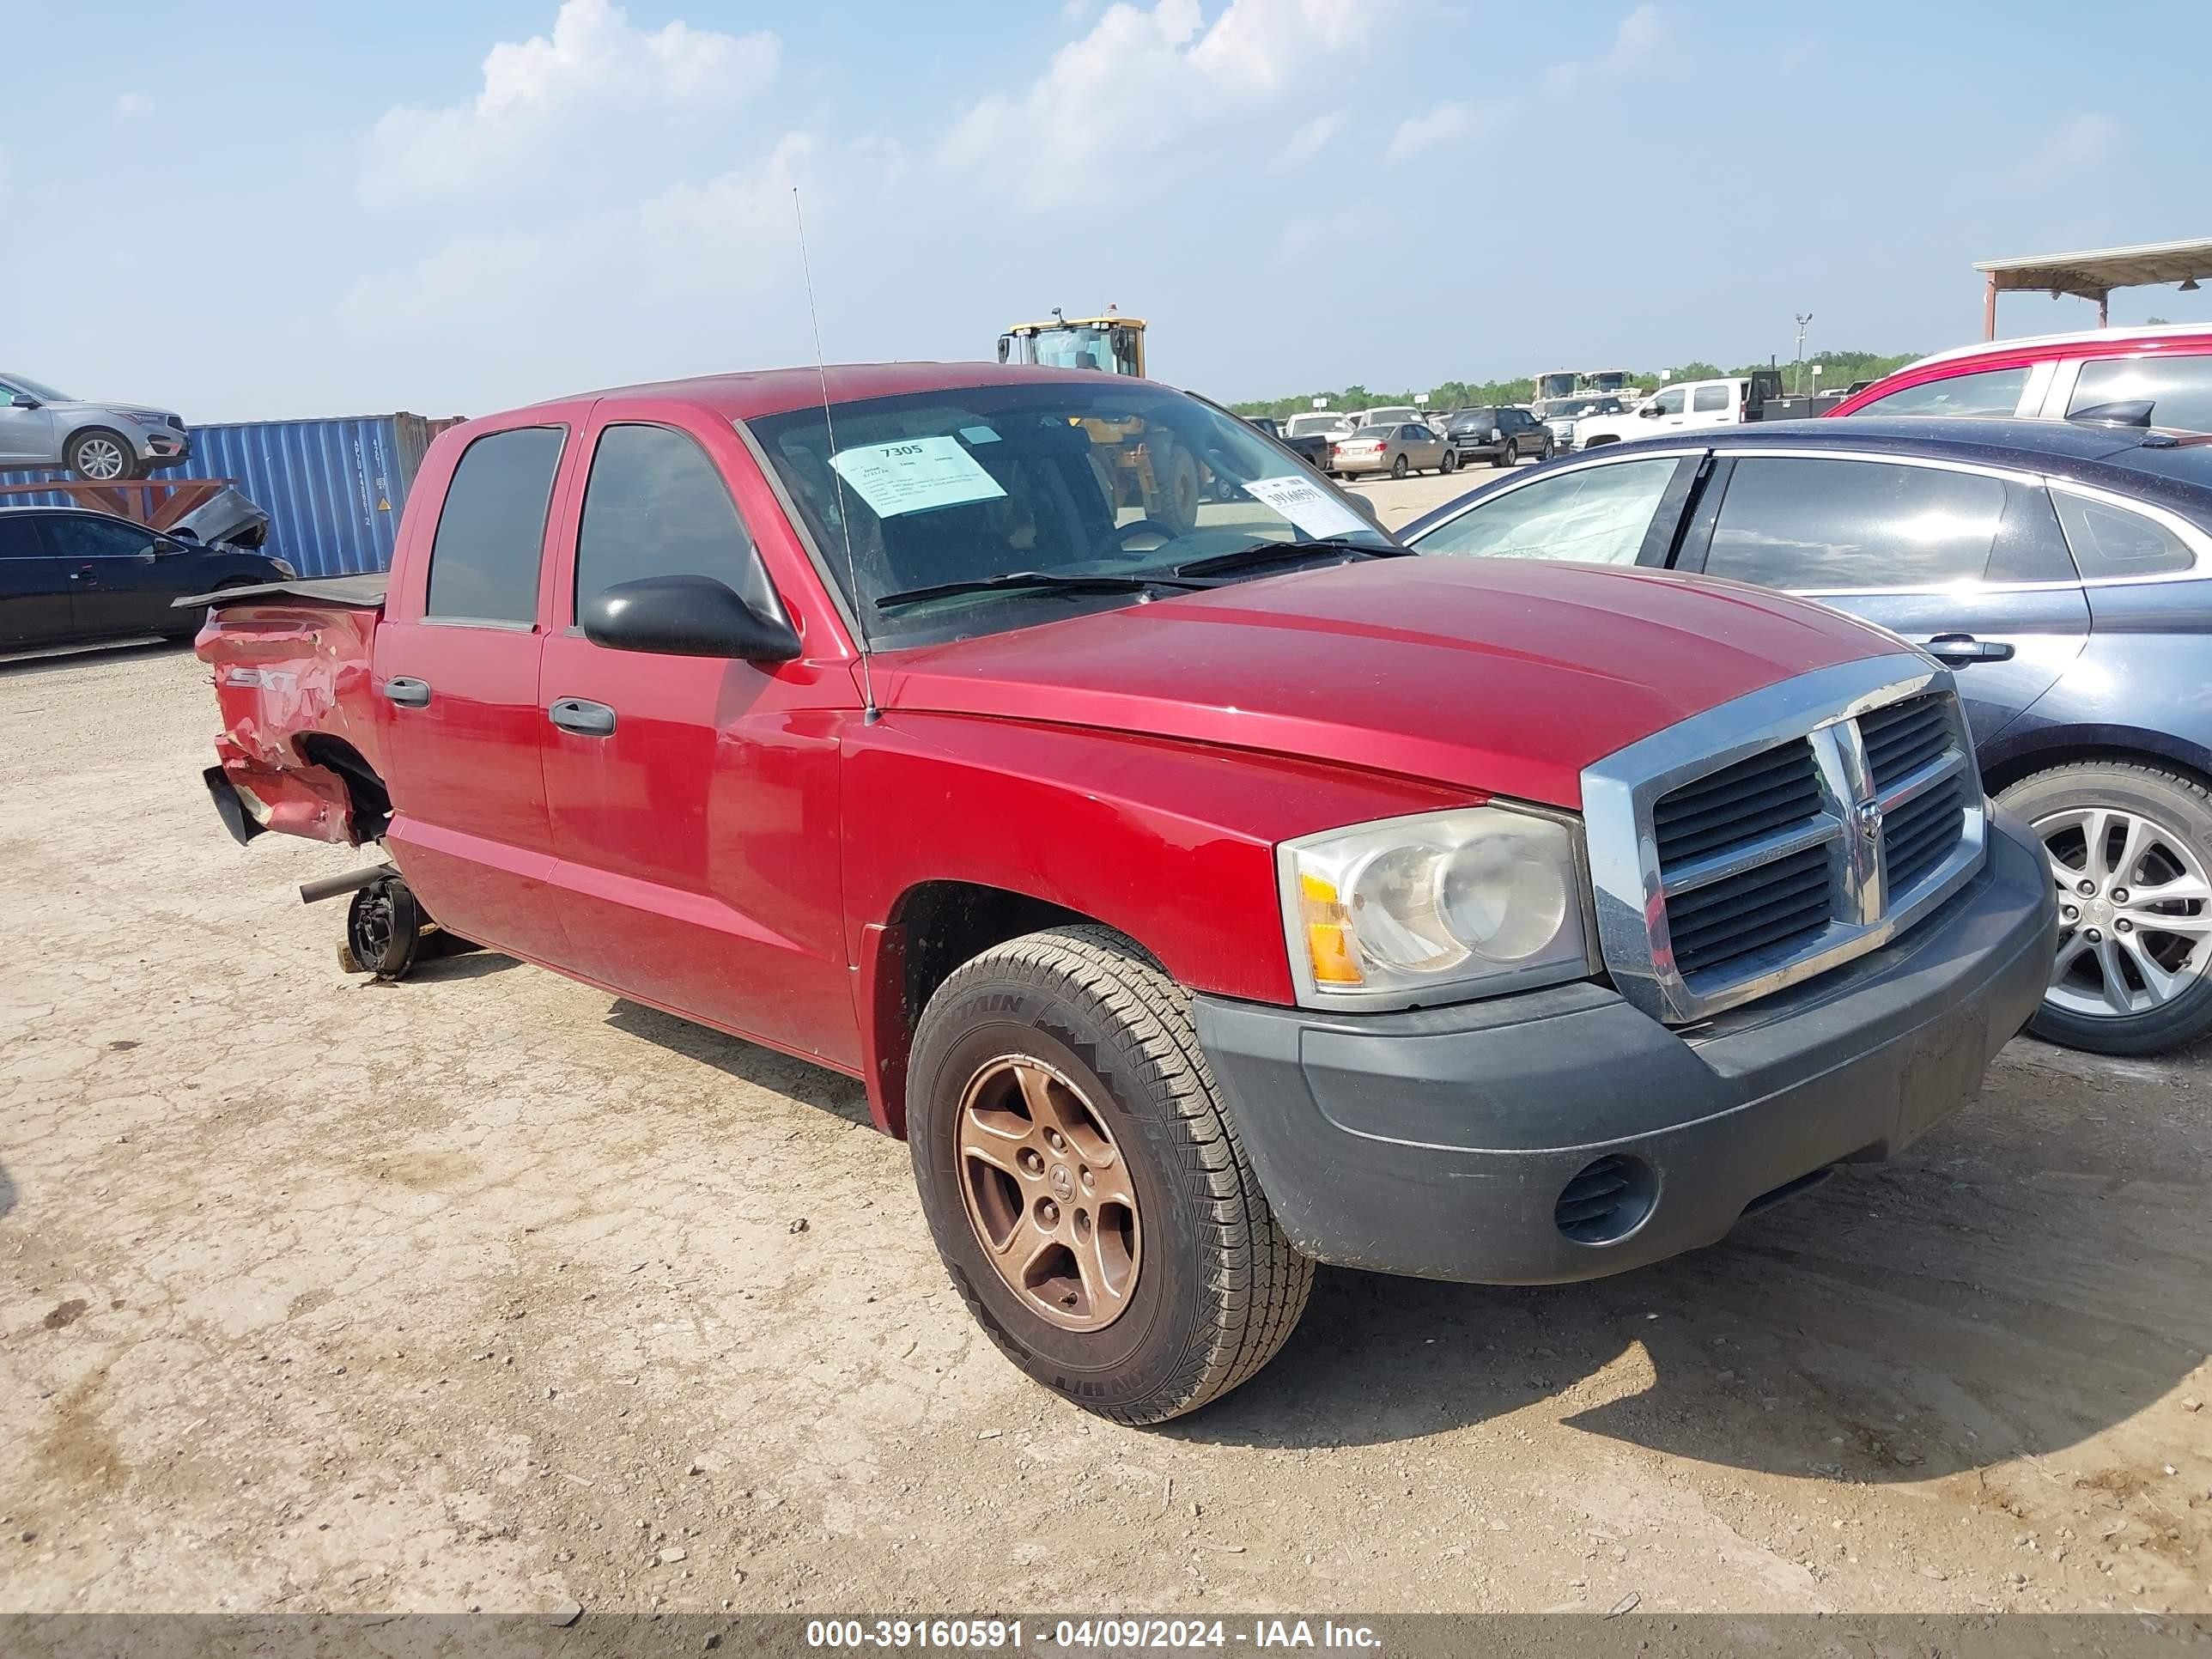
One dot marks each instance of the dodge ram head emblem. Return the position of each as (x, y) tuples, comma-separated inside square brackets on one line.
[(1867, 814)]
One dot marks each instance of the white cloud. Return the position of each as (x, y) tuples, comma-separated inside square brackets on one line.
[(1309, 140), (1635, 43), (1144, 77), (1446, 124), (535, 91), (131, 105), (732, 235)]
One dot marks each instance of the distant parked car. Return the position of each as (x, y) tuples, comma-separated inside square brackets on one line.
[(2056, 377), (1407, 447), (1320, 424), (1392, 415), (69, 576), (1501, 436), (2060, 570), (1311, 447), (41, 427), (1561, 416), (1729, 401)]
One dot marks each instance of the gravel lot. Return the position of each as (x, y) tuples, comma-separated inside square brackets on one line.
[(487, 1289)]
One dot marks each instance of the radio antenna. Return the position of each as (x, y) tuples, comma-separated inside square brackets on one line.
[(872, 712)]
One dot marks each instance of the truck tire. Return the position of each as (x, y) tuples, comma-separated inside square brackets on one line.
[(2122, 984), (1063, 1123), (1176, 473), (101, 456)]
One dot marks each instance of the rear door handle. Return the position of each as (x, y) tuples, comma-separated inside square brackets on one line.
[(407, 694), (1959, 649), (585, 718)]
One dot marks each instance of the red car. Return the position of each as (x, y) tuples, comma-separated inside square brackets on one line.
[(2056, 377), (1201, 900)]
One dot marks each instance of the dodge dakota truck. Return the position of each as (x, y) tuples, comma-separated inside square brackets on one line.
[(1200, 903)]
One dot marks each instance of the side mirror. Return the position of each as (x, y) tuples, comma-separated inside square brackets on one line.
[(1365, 508), (166, 547), (1649, 411), (686, 617), (22, 400), (1006, 346), (2133, 411)]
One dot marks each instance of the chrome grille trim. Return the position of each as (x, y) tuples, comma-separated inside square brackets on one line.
[(1821, 710)]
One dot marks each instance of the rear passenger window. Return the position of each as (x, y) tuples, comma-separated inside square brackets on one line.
[(1994, 392), (2111, 540), (1709, 398), (2179, 389), (655, 506), (491, 530), (1825, 526)]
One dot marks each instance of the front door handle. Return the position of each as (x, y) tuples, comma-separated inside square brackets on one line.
[(583, 717), (407, 694), (1959, 649)]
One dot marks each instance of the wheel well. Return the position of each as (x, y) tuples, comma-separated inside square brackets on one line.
[(2001, 777), (940, 924), (370, 802)]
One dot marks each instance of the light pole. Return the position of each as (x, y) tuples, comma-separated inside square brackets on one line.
[(1797, 373)]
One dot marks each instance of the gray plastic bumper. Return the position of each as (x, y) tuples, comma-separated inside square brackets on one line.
[(1460, 1143)]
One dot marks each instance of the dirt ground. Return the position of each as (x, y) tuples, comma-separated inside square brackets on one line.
[(490, 1291)]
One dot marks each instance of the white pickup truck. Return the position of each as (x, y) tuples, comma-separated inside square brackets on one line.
[(1727, 401)]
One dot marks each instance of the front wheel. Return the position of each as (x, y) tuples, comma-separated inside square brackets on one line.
[(2129, 848), (1085, 1188), (100, 457)]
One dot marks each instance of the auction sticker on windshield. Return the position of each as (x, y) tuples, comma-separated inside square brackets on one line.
[(1308, 506), (914, 475)]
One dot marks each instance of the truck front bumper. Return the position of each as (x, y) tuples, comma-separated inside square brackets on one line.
[(1563, 1134)]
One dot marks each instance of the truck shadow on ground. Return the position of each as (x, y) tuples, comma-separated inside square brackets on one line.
[(31, 666), (747, 1062), (8, 1192), (2027, 1276)]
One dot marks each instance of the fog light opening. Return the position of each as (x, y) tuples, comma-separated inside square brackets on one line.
[(1608, 1198)]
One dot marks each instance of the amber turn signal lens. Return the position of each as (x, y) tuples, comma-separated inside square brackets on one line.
[(1328, 925)]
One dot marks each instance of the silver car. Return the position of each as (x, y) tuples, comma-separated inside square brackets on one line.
[(1406, 446), (41, 427)]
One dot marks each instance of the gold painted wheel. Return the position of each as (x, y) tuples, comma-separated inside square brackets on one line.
[(1047, 1194)]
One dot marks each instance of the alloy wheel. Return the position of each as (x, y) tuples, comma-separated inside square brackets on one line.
[(100, 458), (2135, 912), (1048, 1194)]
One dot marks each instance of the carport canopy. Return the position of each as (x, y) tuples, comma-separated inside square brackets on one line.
[(2093, 273)]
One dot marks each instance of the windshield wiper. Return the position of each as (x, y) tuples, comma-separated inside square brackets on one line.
[(1275, 552), (1099, 582)]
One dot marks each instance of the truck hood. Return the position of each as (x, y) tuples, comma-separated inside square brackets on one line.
[(1502, 676)]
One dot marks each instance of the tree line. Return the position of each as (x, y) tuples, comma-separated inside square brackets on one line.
[(1837, 370)]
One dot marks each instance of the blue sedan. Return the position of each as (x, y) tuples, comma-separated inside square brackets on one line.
[(2060, 571)]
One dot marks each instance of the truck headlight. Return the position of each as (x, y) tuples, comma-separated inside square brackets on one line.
[(1471, 901)]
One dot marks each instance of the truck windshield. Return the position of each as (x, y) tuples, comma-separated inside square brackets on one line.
[(950, 488), (1075, 347)]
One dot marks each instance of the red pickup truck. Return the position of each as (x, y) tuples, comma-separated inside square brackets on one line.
[(1202, 896)]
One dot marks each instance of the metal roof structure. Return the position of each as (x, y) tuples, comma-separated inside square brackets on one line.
[(2093, 273)]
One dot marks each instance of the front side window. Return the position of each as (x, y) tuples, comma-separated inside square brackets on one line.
[(1994, 392), (655, 506), (1710, 398), (1821, 525), (1113, 484), (491, 528), (1597, 515), (96, 539), (1670, 400), (2177, 389), (2110, 541)]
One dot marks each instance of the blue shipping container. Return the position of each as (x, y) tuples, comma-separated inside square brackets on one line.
[(332, 488)]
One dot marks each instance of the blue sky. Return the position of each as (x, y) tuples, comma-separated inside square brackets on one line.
[(250, 209)]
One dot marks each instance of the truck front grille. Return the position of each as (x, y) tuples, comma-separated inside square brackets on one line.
[(1822, 817)]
